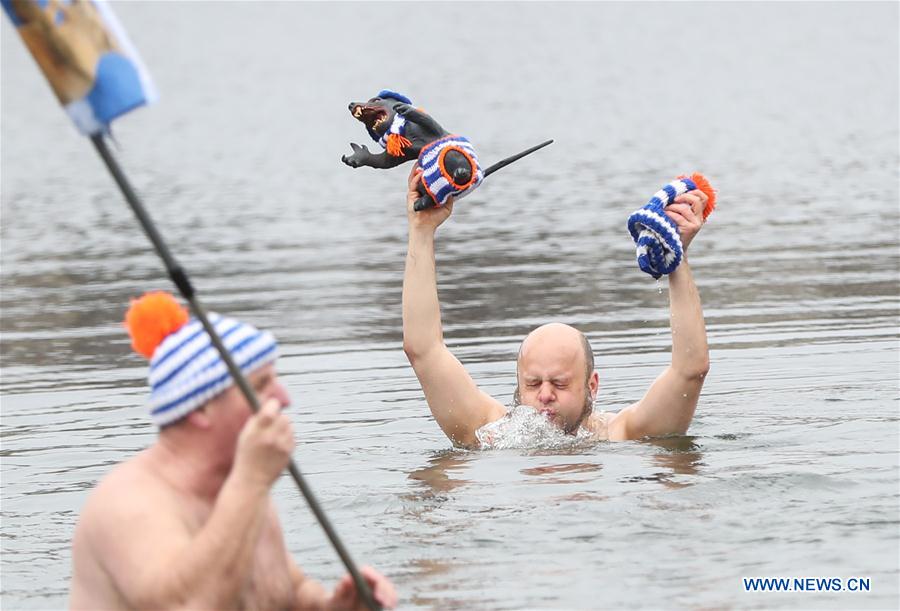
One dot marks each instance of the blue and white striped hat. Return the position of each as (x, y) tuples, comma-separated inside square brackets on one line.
[(186, 370), (659, 247), (656, 236)]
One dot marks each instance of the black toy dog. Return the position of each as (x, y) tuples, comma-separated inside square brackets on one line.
[(449, 164)]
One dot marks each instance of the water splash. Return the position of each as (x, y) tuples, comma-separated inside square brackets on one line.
[(525, 427)]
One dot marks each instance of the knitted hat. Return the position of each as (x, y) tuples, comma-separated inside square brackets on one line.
[(186, 370), (387, 93), (656, 236)]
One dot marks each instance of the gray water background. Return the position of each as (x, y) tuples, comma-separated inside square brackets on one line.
[(791, 466)]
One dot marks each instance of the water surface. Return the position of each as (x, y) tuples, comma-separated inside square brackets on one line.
[(791, 465)]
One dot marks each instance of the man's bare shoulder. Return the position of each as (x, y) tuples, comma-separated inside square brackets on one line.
[(125, 484), (126, 517), (129, 495), (616, 423), (608, 426)]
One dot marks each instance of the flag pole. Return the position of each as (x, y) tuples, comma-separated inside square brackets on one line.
[(182, 282)]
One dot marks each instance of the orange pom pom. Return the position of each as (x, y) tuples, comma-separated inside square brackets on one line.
[(151, 319), (703, 184)]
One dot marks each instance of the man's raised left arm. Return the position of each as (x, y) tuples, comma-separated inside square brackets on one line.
[(668, 406)]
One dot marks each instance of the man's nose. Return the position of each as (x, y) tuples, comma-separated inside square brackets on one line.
[(545, 394), (281, 393)]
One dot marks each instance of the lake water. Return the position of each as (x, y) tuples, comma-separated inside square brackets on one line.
[(791, 466)]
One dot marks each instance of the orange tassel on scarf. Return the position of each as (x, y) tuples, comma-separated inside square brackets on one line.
[(395, 145)]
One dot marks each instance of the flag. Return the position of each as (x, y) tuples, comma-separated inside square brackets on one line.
[(82, 49)]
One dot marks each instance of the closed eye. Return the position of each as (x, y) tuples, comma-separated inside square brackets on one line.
[(261, 384)]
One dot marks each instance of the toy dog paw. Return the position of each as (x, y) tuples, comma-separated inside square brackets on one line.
[(358, 157), (402, 108)]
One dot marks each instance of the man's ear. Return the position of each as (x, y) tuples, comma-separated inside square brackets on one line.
[(594, 384)]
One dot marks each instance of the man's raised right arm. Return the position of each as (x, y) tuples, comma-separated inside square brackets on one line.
[(457, 404)]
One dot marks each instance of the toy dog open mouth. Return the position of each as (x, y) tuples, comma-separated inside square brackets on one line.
[(449, 164), (373, 117)]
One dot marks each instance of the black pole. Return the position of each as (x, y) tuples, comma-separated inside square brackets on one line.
[(505, 162), (180, 278)]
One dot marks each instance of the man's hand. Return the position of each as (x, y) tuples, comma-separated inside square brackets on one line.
[(430, 218), (346, 598), (264, 446), (687, 212)]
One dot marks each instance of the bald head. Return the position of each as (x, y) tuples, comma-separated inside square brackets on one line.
[(559, 338)]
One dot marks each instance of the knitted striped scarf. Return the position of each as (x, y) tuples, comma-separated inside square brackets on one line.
[(659, 249), (394, 140)]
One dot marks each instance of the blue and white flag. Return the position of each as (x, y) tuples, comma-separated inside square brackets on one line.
[(83, 51)]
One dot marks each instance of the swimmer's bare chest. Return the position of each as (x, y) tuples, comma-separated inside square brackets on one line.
[(270, 585)]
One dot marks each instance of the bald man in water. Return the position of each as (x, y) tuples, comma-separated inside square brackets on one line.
[(555, 367)]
